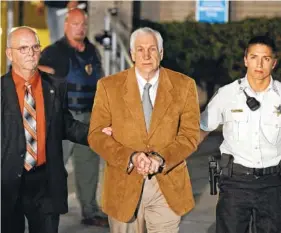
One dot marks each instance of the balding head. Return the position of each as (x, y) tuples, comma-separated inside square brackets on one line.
[(76, 24), (19, 31), (23, 50), (75, 12)]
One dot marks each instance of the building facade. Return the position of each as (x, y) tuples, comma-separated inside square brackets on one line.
[(164, 11)]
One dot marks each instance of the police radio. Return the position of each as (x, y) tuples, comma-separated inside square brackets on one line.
[(252, 102)]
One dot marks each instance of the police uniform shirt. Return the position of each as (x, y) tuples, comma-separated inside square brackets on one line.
[(252, 137)]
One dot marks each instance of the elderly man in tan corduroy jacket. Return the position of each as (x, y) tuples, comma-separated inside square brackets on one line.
[(145, 123)]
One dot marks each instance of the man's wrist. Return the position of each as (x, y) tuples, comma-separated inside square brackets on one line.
[(157, 157), (131, 164)]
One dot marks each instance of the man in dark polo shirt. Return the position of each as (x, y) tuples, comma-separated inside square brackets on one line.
[(77, 60)]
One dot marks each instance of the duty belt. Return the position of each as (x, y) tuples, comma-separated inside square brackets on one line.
[(239, 169)]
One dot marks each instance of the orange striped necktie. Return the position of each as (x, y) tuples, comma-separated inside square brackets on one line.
[(29, 122)]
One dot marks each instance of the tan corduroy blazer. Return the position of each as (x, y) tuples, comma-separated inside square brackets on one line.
[(174, 134)]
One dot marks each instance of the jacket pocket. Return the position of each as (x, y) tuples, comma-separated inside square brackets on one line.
[(179, 176)]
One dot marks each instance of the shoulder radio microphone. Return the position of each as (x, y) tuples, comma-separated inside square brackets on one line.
[(251, 102)]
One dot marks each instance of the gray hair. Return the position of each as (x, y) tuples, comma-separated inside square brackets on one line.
[(10, 35), (146, 30)]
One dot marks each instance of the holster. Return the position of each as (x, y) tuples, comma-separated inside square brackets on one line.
[(226, 164)]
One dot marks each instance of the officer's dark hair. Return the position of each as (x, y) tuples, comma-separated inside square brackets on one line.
[(263, 40)]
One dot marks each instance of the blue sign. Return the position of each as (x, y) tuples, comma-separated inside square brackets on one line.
[(212, 11)]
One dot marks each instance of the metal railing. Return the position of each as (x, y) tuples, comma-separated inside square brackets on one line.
[(115, 52)]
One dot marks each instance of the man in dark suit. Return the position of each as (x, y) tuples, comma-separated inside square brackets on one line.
[(77, 60), (34, 121)]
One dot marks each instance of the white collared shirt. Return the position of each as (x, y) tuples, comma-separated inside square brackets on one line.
[(153, 81), (252, 137)]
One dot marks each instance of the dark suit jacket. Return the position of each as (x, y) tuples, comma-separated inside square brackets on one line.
[(59, 125)]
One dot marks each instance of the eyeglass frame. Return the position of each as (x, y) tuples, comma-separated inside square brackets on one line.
[(29, 47)]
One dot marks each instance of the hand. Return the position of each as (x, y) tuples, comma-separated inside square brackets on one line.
[(141, 163), (46, 69), (154, 166), (40, 8), (72, 4), (107, 131)]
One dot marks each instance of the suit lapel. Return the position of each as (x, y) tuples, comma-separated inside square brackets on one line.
[(48, 95), (11, 96), (132, 99), (162, 101), (12, 103)]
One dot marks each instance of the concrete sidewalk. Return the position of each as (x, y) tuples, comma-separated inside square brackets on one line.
[(200, 220)]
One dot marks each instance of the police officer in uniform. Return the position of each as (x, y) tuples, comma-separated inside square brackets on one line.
[(250, 111), (77, 61)]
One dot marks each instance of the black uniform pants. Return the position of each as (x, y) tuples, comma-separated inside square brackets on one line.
[(243, 196), (34, 204)]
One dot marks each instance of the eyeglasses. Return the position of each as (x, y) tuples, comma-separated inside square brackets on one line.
[(26, 49)]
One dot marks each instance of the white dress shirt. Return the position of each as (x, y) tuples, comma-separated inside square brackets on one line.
[(252, 137), (153, 81), (152, 94)]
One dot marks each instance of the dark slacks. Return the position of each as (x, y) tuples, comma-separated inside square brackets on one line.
[(34, 203), (243, 196)]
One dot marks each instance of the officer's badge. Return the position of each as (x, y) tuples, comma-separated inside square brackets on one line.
[(278, 110), (89, 69)]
